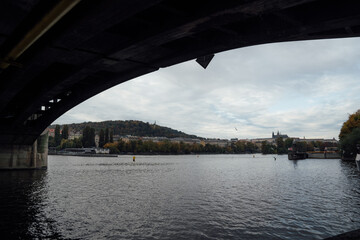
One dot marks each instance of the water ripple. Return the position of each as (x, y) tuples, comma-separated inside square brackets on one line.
[(181, 197)]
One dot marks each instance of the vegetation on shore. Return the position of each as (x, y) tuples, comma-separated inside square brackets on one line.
[(282, 146), (350, 135), (131, 127), (62, 141), (168, 147)]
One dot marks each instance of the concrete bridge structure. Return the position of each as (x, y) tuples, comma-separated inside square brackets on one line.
[(56, 54)]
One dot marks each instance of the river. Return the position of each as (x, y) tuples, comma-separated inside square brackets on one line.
[(181, 197)]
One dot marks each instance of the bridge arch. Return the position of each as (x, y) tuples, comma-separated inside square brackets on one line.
[(248, 88), (54, 55)]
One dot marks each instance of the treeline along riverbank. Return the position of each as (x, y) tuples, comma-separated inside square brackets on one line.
[(154, 139), (239, 147), (168, 147)]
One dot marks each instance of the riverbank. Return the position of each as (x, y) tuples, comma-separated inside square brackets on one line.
[(83, 155), (144, 153)]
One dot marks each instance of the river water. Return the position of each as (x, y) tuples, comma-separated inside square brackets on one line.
[(181, 197)]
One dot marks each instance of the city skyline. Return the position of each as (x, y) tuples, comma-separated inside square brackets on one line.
[(73, 133)]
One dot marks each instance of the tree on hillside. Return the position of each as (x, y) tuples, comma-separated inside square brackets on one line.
[(310, 146), (68, 143), (65, 132), (101, 138), (239, 147), (111, 136), (280, 146), (267, 148), (57, 137), (349, 142), (92, 137), (250, 147), (88, 139), (130, 127), (352, 123), (106, 135), (288, 143), (51, 141), (301, 146), (350, 135)]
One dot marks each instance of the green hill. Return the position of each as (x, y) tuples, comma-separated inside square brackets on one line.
[(134, 128)]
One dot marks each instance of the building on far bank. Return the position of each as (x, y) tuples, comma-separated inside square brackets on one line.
[(258, 141), (52, 132), (116, 138), (185, 140), (279, 135), (73, 134), (217, 142), (309, 140)]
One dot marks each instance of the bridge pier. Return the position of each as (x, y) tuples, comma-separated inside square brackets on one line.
[(25, 156)]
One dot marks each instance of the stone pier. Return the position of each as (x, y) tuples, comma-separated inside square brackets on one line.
[(25, 156)]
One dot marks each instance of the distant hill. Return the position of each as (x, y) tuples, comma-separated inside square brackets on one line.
[(132, 127)]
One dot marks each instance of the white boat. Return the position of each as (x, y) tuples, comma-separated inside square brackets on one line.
[(357, 159)]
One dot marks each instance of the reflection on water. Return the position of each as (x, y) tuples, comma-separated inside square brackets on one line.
[(124, 164), (186, 197), (23, 196), (295, 163)]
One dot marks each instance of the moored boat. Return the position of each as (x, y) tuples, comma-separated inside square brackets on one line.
[(328, 153), (348, 156), (295, 154)]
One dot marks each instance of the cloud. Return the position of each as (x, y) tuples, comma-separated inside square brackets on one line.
[(300, 88)]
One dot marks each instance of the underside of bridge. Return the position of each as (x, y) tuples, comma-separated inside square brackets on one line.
[(56, 54)]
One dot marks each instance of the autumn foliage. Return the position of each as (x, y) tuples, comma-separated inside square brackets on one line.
[(350, 135), (348, 126)]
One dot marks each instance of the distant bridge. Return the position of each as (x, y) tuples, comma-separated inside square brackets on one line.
[(56, 54)]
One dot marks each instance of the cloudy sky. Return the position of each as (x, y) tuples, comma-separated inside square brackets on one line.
[(299, 88)]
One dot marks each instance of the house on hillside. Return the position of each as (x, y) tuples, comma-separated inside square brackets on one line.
[(73, 134)]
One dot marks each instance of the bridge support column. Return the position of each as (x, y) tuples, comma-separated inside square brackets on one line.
[(25, 156)]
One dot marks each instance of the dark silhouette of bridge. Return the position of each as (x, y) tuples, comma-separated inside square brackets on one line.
[(56, 54)]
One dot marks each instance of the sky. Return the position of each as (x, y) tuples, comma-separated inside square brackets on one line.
[(302, 89)]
